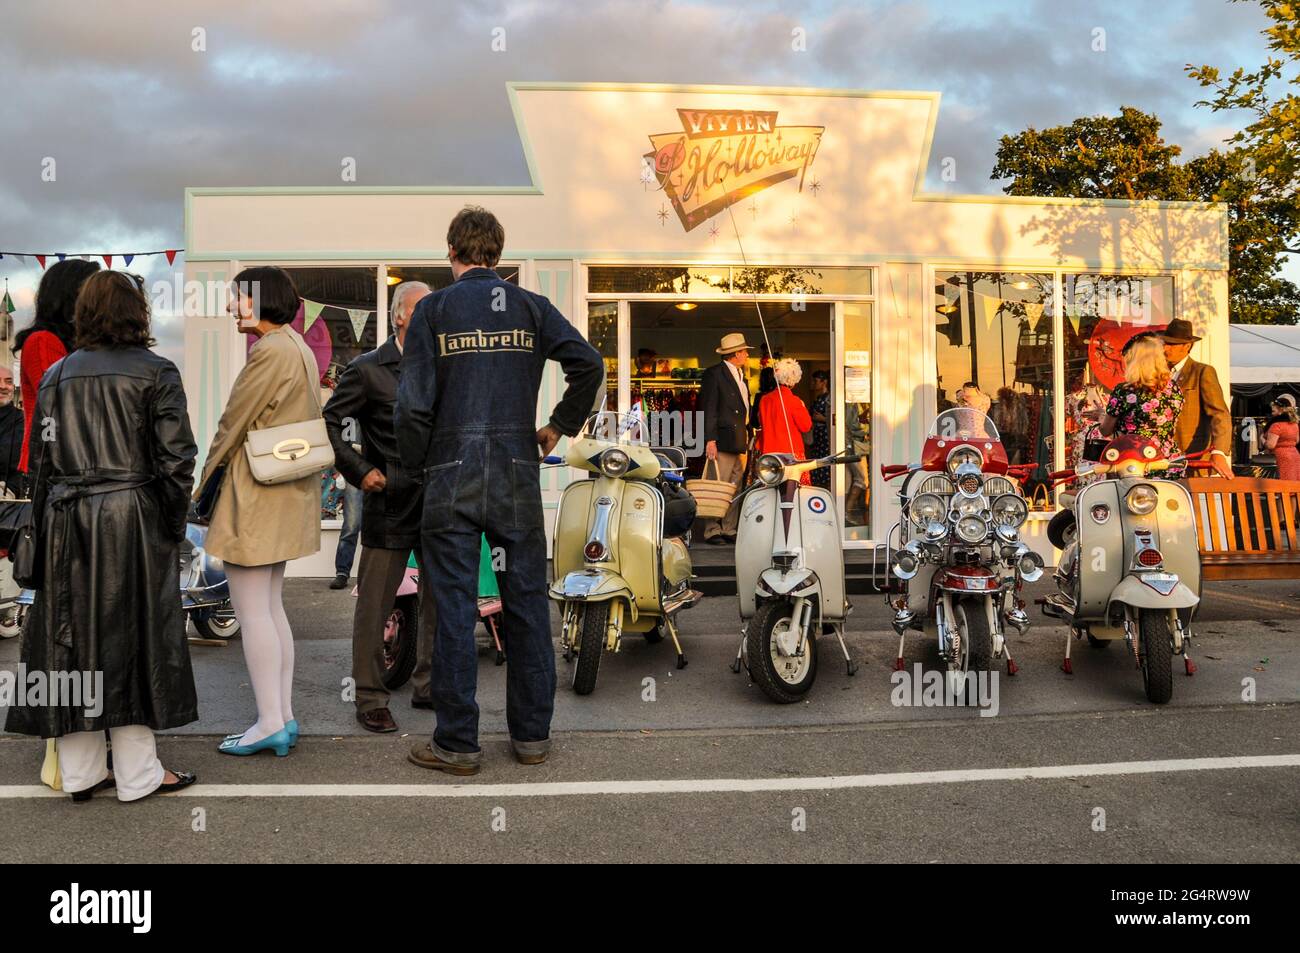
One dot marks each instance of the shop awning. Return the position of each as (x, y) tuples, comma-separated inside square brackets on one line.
[(1264, 353)]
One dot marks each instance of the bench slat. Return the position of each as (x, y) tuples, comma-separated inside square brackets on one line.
[(1247, 529)]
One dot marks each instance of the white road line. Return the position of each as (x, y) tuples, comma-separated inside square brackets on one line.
[(706, 785)]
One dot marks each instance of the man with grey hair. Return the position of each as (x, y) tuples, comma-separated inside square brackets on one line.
[(11, 434), (361, 411)]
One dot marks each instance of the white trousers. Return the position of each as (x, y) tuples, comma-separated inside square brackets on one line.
[(83, 759)]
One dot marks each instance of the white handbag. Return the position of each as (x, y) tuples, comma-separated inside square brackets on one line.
[(291, 451)]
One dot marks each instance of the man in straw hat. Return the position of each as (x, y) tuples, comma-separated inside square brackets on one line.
[(1205, 420), (724, 400)]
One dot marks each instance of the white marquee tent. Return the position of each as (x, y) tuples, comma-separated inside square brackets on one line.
[(1264, 354)]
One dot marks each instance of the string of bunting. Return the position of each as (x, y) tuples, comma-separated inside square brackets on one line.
[(107, 257), (358, 316)]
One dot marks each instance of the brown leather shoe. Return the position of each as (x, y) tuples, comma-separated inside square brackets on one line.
[(379, 720), (423, 755), (531, 758)]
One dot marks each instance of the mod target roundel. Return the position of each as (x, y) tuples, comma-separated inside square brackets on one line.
[(817, 504)]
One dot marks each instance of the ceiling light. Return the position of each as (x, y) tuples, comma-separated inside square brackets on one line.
[(687, 306), (394, 280)]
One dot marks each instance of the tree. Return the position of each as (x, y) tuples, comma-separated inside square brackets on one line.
[(1261, 189), (1125, 157)]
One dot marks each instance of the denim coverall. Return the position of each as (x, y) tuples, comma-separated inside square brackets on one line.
[(466, 418)]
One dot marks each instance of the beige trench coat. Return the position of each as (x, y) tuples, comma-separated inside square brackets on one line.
[(252, 524)]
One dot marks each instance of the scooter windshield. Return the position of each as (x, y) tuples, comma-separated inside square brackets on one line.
[(611, 427), (963, 423)]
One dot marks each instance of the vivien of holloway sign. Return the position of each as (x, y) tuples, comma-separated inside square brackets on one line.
[(722, 156)]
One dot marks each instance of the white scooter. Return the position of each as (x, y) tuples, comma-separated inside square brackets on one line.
[(789, 575)]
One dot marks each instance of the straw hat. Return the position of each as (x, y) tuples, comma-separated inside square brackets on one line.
[(731, 343)]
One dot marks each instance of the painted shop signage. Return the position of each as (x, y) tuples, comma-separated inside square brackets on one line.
[(721, 156)]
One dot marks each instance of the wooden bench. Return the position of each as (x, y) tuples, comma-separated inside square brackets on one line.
[(1247, 528)]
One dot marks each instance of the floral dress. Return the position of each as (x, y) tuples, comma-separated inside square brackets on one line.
[(821, 439), (1140, 412)]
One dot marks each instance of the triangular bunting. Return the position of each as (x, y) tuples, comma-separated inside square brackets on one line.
[(127, 259), (108, 261), (990, 306), (1033, 313), (358, 317), (311, 311), (61, 256), (1074, 316), (41, 259), (171, 255)]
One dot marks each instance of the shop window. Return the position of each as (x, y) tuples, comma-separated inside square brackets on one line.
[(708, 282), (995, 332), (602, 334), (439, 276), (1102, 313)]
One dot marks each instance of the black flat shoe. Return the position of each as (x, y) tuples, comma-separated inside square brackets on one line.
[(183, 780), (340, 582), (88, 793)]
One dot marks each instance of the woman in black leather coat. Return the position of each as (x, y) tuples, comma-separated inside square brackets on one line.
[(112, 463)]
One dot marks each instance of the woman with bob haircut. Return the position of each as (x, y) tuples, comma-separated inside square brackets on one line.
[(112, 464), (256, 529), (1147, 402)]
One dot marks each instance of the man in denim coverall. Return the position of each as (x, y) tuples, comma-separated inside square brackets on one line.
[(466, 418)]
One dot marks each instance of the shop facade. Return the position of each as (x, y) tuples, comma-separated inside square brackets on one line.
[(659, 218)]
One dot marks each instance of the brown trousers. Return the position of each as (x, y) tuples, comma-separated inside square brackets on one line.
[(378, 576)]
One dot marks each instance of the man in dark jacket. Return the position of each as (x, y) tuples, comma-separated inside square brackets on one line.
[(361, 411), (11, 434), (724, 400), (467, 418)]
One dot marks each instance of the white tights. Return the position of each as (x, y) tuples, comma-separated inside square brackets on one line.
[(256, 595)]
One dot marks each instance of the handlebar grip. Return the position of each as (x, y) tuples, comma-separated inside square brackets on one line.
[(552, 458), (892, 469), (851, 458), (1061, 474), (672, 477)]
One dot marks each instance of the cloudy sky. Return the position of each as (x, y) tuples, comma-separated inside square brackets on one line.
[(132, 114)]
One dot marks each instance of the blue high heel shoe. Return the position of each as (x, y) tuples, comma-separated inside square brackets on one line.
[(289, 726), (280, 743)]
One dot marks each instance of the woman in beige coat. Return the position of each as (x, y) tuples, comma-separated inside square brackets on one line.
[(255, 528)]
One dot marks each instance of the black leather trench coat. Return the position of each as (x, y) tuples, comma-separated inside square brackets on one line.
[(112, 463)]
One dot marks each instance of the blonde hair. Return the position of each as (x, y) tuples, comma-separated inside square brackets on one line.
[(788, 372), (1146, 366)]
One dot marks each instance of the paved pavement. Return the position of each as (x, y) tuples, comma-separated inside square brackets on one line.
[(697, 764)]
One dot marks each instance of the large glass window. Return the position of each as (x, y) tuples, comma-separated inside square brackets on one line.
[(1102, 312), (855, 393), (995, 353), (721, 280)]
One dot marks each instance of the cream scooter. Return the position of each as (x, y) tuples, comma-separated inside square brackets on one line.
[(616, 570), (789, 575)]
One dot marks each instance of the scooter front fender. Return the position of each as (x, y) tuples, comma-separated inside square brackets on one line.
[(593, 585), (773, 582), (1132, 591)]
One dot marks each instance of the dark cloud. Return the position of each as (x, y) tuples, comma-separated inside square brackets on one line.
[(412, 90)]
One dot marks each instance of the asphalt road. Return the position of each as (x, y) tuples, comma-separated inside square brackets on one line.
[(697, 765)]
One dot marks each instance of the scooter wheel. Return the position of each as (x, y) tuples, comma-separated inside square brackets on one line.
[(759, 650)]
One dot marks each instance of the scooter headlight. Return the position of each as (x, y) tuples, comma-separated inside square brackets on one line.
[(771, 470), (1142, 499), (906, 561), (1010, 510), (1029, 564), (936, 531), (972, 529), (926, 509), (969, 505), (614, 462), (963, 455)]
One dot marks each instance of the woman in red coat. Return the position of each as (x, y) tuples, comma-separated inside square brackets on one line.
[(783, 417), (1281, 437), (49, 338)]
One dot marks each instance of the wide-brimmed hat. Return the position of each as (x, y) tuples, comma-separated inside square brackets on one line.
[(1285, 400), (1179, 332), (731, 343)]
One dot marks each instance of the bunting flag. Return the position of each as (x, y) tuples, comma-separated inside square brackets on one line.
[(7, 303), (358, 316), (1073, 315), (107, 257), (311, 311), (1033, 312), (990, 306)]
